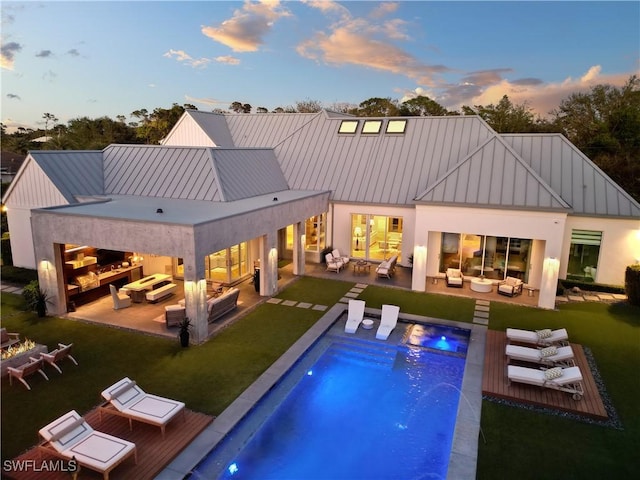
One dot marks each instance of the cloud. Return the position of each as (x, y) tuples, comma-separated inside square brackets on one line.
[(209, 102), (246, 29), (73, 52), (369, 43), (184, 57), (13, 96), (7, 54), (228, 59), (44, 54)]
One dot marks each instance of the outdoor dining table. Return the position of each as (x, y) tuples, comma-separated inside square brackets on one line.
[(138, 287)]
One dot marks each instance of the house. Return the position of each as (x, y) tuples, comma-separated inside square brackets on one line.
[(224, 191)]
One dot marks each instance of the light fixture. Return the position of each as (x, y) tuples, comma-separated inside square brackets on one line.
[(358, 233)]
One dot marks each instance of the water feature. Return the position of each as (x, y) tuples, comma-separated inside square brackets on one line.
[(353, 409)]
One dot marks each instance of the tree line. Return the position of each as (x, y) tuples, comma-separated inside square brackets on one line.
[(604, 123)]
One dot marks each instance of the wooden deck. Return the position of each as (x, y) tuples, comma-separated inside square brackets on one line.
[(154, 452), (494, 383)]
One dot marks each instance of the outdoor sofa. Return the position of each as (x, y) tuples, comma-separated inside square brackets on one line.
[(219, 306)]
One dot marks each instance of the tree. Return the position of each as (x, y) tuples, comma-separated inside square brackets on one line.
[(308, 106), (605, 125), (48, 117), (505, 117), (261, 110), (378, 107), (157, 125), (421, 107), (239, 107)]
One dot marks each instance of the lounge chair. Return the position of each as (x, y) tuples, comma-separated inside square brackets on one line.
[(387, 268), (71, 437), (564, 379), (454, 277), (551, 356), (355, 315), (336, 254), (126, 399), (333, 264), (26, 369), (8, 339), (545, 337), (120, 300), (57, 355), (510, 286), (388, 321)]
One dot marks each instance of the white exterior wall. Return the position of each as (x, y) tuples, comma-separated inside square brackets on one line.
[(340, 225), (31, 189), (189, 134), (620, 246)]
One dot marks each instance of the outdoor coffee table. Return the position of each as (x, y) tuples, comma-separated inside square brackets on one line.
[(361, 267), (481, 285)]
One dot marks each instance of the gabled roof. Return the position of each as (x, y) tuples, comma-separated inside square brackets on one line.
[(574, 176), (204, 125), (493, 176), (73, 172), (266, 129)]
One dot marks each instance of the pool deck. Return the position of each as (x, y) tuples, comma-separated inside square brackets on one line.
[(463, 460)]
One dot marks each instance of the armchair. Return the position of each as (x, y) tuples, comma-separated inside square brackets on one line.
[(333, 264), (454, 277), (510, 287)]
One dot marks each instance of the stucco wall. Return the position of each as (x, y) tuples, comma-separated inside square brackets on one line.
[(19, 223)]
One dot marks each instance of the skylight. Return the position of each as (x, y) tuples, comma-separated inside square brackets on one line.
[(396, 126), (372, 126), (348, 126)]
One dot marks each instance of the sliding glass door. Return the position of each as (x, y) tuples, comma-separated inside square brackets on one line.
[(376, 237)]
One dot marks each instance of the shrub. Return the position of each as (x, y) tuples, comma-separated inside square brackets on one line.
[(588, 286), (36, 298), (632, 284), (20, 276)]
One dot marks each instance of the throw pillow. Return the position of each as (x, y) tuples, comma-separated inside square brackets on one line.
[(553, 373), (545, 333), (548, 352)]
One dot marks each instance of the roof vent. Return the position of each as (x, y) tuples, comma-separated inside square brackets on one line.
[(159, 210), (275, 199)]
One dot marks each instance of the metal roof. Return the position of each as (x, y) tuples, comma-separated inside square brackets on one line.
[(266, 129), (493, 176), (203, 125), (574, 176)]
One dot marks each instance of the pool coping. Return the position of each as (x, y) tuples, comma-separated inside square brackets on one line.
[(464, 451)]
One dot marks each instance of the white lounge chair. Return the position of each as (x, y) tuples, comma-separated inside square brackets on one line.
[(336, 254), (388, 321), (355, 315), (71, 437), (126, 399), (569, 379), (543, 356), (333, 264), (538, 337)]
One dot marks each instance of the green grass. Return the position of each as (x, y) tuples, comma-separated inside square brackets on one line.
[(520, 443)]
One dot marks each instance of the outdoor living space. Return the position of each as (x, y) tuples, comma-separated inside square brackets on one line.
[(161, 366)]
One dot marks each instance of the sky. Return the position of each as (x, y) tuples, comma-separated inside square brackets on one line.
[(111, 58)]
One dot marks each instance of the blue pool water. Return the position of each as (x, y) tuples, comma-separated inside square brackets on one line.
[(353, 409)]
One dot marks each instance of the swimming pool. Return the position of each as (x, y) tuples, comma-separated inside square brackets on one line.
[(352, 408)]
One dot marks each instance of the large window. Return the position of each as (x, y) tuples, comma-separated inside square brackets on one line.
[(583, 255), (376, 237), (485, 255), (228, 265)]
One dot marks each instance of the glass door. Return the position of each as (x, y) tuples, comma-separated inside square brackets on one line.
[(228, 265)]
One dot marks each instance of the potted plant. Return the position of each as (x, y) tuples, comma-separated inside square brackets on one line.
[(36, 298), (184, 331)]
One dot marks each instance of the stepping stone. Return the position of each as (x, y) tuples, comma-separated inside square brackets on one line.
[(484, 303), (357, 290), (481, 314), (274, 300), (289, 303), (344, 300), (482, 308), (481, 321), (361, 285), (592, 298), (304, 305), (605, 296), (320, 308), (351, 295), (562, 299), (575, 298)]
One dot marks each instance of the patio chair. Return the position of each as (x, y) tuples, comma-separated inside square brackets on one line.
[(454, 277), (544, 337), (25, 370), (71, 437), (550, 356), (120, 300), (388, 321), (128, 400), (8, 339), (387, 268), (510, 286), (564, 379), (354, 316), (333, 264), (57, 355), (336, 254)]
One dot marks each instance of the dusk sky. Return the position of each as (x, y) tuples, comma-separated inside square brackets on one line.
[(77, 59)]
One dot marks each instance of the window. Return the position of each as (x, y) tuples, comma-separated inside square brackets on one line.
[(396, 126), (583, 255), (348, 126), (371, 126), (376, 237)]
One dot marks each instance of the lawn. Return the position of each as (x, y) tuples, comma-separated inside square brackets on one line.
[(520, 443)]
